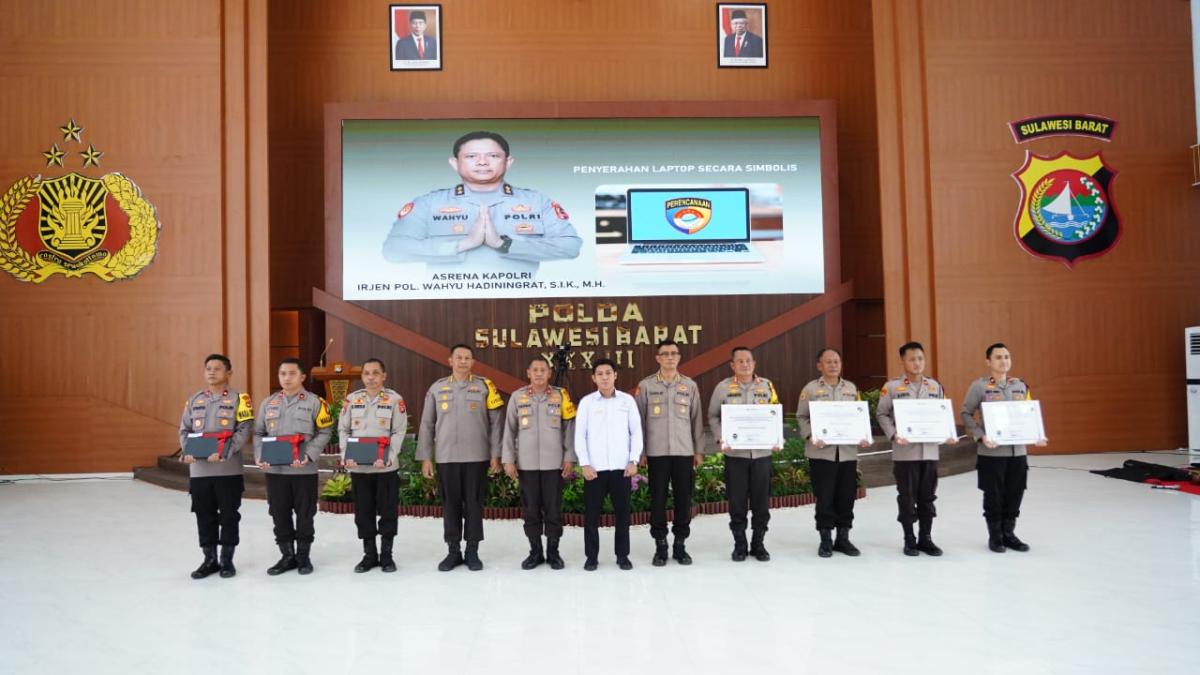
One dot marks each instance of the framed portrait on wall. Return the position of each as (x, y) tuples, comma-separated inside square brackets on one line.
[(416, 36), (741, 35)]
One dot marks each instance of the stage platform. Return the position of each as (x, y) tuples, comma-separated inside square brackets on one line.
[(94, 577)]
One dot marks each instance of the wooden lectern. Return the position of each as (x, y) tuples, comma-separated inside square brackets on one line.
[(339, 379)]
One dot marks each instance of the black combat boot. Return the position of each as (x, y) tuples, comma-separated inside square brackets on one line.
[(535, 556), (386, 562), (287, 560), (227, 568), (995, 537), (825, 548), (739, 546), (925, 540), (472, 557), (679, 552), (552, 556), (756, 547), (453, 558), (910, 540), (370, 559), (1010, 536), (210, 565), (842, 543), (660, 553), (303, 562)]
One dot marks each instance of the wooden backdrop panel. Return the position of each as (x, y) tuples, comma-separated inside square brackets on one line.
[(1100, 344), (546, 51), (96, 373)]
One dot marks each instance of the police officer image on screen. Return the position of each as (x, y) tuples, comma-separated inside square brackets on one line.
[(483, 223), (914, 465), (1002, 469), (215, 483)]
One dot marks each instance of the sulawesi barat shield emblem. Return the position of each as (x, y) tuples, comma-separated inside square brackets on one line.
[(75, 225), (1066, 211)]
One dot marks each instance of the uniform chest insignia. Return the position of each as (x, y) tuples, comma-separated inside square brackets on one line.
[(524, 227), (199, 423), (681, 389), (458, 228), (555, 399), (524, 421), (657, 410), (450, 209), (301, 397), (520, 208), (445, 388), (901, 389), (820, 392), (224, 421), (473, 406), (524, 399), (473, 390), (445, 405)]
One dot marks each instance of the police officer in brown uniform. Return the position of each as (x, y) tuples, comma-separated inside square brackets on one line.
[(216, 483), (913, 464), (538, 449), (1002, 469), (292, 488), (747, 472), (374, 414), (461, 424), (673, 427), (833, 468)]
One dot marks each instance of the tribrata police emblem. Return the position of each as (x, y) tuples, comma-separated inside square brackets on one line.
[(1066, 211), (688, 214), (74, 225)]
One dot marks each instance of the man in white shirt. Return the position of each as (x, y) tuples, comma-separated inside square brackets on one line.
[(608, 443)]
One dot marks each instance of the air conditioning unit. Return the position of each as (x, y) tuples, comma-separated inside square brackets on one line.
[(1191, 350)]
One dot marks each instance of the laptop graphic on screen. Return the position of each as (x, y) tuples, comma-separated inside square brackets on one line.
[(681, 225)]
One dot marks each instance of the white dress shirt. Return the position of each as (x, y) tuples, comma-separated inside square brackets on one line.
[(608, 431)]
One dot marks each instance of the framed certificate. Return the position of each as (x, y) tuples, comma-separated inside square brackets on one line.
[(925, 420), (840, 422), (746, 427), (1013, 422)]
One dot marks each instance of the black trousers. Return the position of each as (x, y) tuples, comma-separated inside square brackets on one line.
[(288, 494), (541, 495), (748, 482), (1003, 481), (464, 485), (835, 486), (612, 484), (375, 495), (215, 501), (916, 489), (680, 474)]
